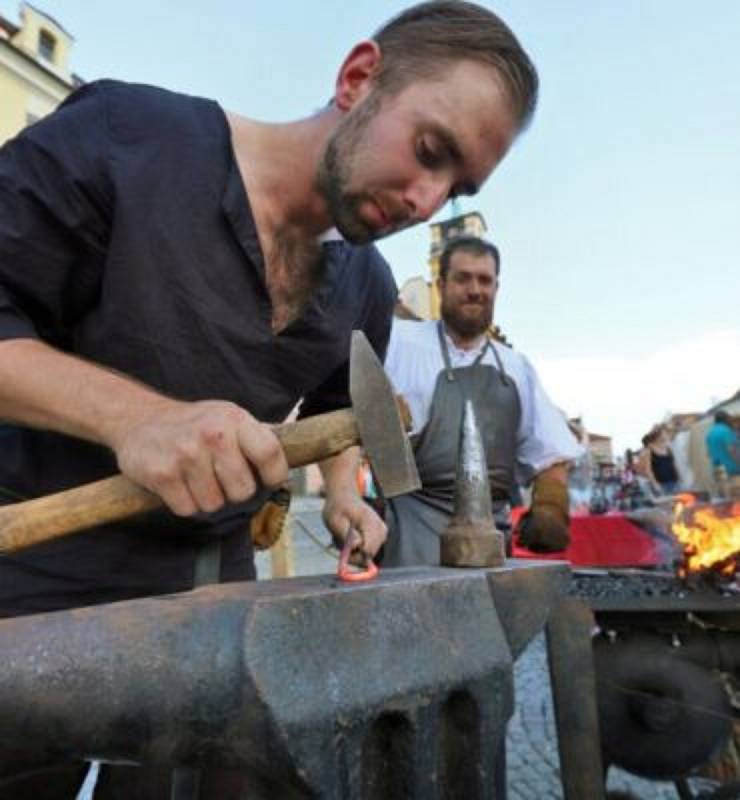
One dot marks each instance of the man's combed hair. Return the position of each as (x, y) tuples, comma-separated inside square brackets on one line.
[(426, 37), (467, 243)]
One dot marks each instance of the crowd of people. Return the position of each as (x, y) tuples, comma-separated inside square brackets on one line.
[(654, 472)]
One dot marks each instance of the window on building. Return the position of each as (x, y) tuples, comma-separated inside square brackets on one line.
[(47, 45)]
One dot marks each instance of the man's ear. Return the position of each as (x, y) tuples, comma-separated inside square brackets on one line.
[(357, 74)]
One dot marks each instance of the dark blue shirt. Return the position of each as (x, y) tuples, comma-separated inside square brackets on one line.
[(126, 237)]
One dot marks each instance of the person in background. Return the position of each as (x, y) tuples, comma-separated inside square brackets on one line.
[(723, 449), (437, 365), (580, 474), (635, 491), (723, 443), (659, 463)]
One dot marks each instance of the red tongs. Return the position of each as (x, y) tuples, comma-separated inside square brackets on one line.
[(344, 571)]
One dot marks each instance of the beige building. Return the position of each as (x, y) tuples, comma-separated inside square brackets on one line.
[(414, 299), (35, 74), (600, 447)]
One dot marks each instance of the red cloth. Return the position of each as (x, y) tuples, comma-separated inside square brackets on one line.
[(603, 540)]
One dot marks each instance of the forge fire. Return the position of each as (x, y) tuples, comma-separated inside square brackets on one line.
[(709, 536)]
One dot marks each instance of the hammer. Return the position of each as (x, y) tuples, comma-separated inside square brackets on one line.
[(376, 420)]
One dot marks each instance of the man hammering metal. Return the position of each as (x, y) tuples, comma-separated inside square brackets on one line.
[(378, 420), (439, 366), (175, 278), (207, 332)]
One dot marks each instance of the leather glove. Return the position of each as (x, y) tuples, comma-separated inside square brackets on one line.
[(545, 527), (266, 526)]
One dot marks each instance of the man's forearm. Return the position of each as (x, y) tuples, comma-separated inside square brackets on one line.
[(339, 472), (45, 388), (344, 508), (194, 455)]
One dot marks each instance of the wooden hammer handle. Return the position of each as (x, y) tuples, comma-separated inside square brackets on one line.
[(112, 499)]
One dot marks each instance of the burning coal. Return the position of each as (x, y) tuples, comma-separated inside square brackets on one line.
[(709, 536)]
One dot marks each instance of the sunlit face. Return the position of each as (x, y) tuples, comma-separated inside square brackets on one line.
[(467, 293), (394, 160)]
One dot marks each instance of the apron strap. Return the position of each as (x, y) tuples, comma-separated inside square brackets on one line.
[(505, 379), (445, 351)]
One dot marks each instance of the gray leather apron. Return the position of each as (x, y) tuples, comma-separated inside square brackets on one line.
[(416, 520)]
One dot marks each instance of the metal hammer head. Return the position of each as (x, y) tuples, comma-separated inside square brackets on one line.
[(382, 431)]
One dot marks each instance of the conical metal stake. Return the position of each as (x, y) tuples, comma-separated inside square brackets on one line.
[(472, 539)]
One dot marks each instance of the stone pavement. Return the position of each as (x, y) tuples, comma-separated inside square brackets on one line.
[(533, 764)]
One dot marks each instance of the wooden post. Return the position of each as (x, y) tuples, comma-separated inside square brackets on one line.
[(281, 553), (570, 657)]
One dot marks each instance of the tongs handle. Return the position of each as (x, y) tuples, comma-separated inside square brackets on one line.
[(344, 573)]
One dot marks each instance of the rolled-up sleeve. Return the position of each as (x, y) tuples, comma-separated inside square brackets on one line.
[(544, 437), (55, 204)]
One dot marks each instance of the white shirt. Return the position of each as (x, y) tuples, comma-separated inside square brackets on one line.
[(414, 361)]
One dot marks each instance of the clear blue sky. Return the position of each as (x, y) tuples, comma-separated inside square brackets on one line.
[(617, 214)]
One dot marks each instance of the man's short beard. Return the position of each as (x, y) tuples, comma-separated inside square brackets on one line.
[(466, 327), (335, 172)]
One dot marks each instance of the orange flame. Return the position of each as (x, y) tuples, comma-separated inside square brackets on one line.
[(710, 537)]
